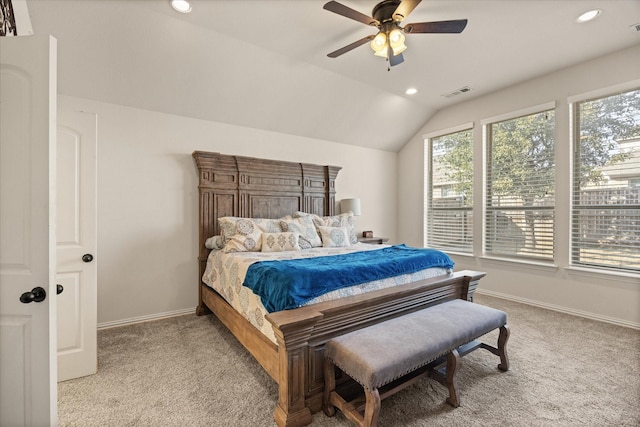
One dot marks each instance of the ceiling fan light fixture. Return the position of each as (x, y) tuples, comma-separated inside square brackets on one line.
[(379, 44), (396, 41), (396, 37), (386, 16), (382, 53)]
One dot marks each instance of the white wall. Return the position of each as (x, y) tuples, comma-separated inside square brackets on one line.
[(613, 298), (148, 199)]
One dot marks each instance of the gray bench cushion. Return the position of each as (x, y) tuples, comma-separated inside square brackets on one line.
[(376, 355)]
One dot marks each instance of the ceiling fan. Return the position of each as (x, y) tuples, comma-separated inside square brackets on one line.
[(387, 15)]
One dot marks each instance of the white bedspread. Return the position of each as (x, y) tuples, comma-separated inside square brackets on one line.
[(225, 272)]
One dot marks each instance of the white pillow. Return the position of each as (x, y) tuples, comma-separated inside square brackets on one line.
[(334, 237), (280, 242)]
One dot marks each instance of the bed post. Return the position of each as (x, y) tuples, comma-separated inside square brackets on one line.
[(470, 284), (293, 340)]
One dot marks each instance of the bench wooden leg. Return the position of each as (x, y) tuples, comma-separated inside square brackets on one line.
[(452, 370), (502, 348), (372, 408), (331, 399), (447, 375)]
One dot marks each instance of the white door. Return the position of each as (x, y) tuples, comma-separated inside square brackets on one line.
[(28, 371), (76, 246)]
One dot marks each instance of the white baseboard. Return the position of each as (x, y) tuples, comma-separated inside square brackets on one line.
[(566, 310), (148, 318)]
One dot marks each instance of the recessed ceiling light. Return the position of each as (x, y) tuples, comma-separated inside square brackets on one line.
[(588, 16), (181, 6), (411, 91)]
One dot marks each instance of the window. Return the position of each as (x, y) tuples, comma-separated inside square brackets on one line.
[(520, 187), (605, 220), (449, 214)]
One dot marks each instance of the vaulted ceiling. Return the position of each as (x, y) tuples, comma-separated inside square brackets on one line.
[(263, 64)]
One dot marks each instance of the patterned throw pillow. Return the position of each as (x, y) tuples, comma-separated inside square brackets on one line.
[(304, 226), (280, 242), (334, 237), (244, 234), (214, 242), (343, 220)]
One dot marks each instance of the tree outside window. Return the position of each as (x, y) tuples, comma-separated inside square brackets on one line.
[(520, 187), (606, 183), (449, 214)]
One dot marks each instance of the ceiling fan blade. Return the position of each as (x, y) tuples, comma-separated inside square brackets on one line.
[(351, 46), (404, 9), (455, 26), (395, 60), (347, 12)]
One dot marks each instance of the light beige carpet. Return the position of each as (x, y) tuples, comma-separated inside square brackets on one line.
[(190, 371)]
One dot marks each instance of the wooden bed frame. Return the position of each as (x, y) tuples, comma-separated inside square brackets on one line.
[(258, 188)]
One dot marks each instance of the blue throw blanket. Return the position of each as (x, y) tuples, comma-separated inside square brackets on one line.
[(289, 284)]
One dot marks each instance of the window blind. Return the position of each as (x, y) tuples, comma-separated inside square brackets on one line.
[(449, 213), (605, 216), (520, 187)]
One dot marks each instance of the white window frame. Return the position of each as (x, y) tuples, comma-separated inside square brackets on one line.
[(485, 123), (573, 101), (428, 170)]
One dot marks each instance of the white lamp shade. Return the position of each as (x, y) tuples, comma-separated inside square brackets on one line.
[(352, 205)]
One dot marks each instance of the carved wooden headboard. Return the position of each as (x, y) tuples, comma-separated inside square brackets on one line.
[(258, 188)]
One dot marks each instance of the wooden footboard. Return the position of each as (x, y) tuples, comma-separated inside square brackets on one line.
[(296, 362)]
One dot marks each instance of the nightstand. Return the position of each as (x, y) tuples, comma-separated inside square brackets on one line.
[(373, 240)]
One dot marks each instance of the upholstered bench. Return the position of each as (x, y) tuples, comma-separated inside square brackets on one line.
[(386, 357)]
